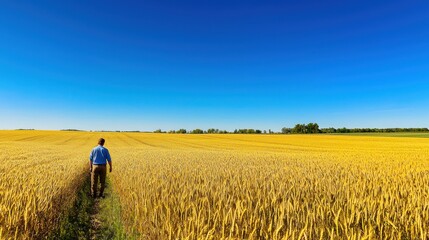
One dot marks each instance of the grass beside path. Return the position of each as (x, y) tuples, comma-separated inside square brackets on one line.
[(93, 219), (109, 217)]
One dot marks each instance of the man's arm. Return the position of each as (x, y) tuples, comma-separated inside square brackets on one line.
[(109, 160), (90, 162)]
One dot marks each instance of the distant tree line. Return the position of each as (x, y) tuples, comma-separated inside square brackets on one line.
[(372, 130), (309, 128), (302, 129), (247, 131), (213, 131), (314, 128)]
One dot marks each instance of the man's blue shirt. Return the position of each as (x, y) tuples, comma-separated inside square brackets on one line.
[(99, 155)]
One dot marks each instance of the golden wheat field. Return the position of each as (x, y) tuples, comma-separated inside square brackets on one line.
[(230, 186)]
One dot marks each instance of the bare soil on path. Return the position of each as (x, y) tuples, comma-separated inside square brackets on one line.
[(95, 224)]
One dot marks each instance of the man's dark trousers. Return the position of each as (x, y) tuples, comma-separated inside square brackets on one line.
[(98, 171)]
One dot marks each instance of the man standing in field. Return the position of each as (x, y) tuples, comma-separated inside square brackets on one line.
[(98, 159)]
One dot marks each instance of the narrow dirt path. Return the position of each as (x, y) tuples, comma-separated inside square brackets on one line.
[(95, 222), (105, 217), (91, 218)]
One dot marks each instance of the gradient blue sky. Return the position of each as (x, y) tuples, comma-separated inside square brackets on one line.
[(143, 65)]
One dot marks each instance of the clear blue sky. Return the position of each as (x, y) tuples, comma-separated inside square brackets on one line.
[(143, 65)]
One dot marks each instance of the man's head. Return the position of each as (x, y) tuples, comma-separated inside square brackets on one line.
[(101, 141)]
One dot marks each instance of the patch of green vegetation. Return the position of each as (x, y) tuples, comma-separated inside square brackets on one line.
[(93, 218), (75, 224), (109, 215)]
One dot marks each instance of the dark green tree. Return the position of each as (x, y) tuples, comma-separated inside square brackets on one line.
[(197, 131), (182, 131)]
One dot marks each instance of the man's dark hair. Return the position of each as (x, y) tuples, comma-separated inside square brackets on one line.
[(101, 141)]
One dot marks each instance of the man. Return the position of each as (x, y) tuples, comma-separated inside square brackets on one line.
[(97, 166)]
